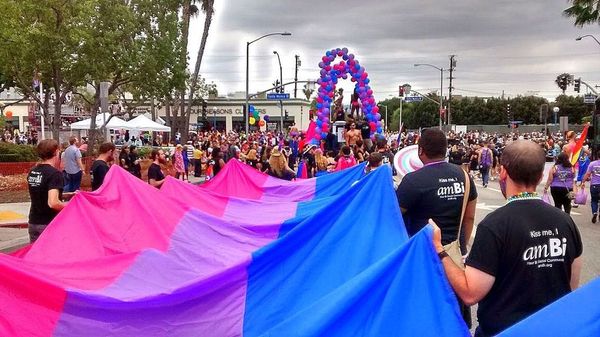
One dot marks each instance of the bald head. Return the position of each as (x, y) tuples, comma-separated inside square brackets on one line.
[(524, 162)]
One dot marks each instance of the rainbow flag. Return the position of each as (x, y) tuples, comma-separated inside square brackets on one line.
[(577, 150), (242, 255)]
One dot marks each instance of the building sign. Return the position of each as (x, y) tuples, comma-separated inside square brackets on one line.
[(226, 111)]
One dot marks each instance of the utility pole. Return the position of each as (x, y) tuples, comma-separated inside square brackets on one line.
[(450, 88), (296, 76)]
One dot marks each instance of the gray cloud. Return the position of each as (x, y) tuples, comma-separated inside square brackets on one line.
[(515, 46)]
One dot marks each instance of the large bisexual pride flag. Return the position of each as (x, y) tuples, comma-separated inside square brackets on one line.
[(326, 257)]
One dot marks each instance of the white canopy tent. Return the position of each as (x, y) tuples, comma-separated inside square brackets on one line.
[(114, 123), (158, 119), (143, 123)]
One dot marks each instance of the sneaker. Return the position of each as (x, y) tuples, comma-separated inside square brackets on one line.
[(594, 217)]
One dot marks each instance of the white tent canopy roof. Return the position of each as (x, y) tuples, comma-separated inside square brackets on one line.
[(143, 123), (158, 119), (114, 123)]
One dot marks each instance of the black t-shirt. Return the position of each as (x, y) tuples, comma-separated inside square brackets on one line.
[(155, 172), (133, 167), (365, 130), (41, 179), (99, 170), (528, 246), (435, 191)]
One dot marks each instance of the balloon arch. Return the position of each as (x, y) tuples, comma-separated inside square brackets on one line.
[(330, 74)]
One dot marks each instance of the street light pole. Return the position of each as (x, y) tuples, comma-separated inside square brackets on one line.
[(280, 90), (247, 71), (588, 35), (386, 117), (215, 118), (405, 90), (441, 87)]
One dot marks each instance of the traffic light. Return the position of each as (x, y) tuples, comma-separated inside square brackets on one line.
[(577, 85), (401, 91), (286, 116)]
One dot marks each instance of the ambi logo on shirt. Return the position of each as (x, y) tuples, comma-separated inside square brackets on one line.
[(554, 249), (454, 189)]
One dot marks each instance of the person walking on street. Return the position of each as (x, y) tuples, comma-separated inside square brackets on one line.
[(439, 191), (73, 166), (197, 161), (593, 175), (561, 181), (486, 159), (519, 249), (46, 185), (100, 165), (156, 176)]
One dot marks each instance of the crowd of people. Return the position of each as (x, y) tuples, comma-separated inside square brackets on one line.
[(15, 136), (515, 253)]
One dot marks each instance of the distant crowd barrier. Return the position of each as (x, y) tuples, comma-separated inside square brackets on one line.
[(8, 169)]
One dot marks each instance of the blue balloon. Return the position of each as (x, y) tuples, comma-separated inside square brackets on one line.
[(345, 50), (379, 130), (345, 57), (323, 134), (319, 105), (366, 81), (319, 123)]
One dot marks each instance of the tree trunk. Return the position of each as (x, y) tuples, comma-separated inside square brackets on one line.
[(207, 23), (185, 31)]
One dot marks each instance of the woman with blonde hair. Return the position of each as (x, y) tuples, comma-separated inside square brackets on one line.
[(278, 166), (321, 163), (252, 158)]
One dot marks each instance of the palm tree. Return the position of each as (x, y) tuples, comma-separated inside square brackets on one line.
[(585, 12), (208, 9)]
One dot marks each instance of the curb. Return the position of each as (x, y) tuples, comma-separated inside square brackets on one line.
[(14, 244)]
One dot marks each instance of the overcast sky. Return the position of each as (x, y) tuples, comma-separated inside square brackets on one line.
[(512, 45)]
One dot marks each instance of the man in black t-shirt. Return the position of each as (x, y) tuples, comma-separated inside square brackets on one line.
[(365, 132), (100, 166), (45, 188), (525, 255), (436, 191), (155, 175)]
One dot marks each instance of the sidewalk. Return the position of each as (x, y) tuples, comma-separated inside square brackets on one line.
[(13, 226)]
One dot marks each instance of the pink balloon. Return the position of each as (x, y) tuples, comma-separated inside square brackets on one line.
[(375, 109), (328, 68), (369, 92), (373, 126), (325, 59)]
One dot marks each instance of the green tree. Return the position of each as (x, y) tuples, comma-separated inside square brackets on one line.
[(43, 38), (584, 12), (573, 107), (421, 114)]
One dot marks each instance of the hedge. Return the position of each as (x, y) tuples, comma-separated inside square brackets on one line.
[(10, 152)]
